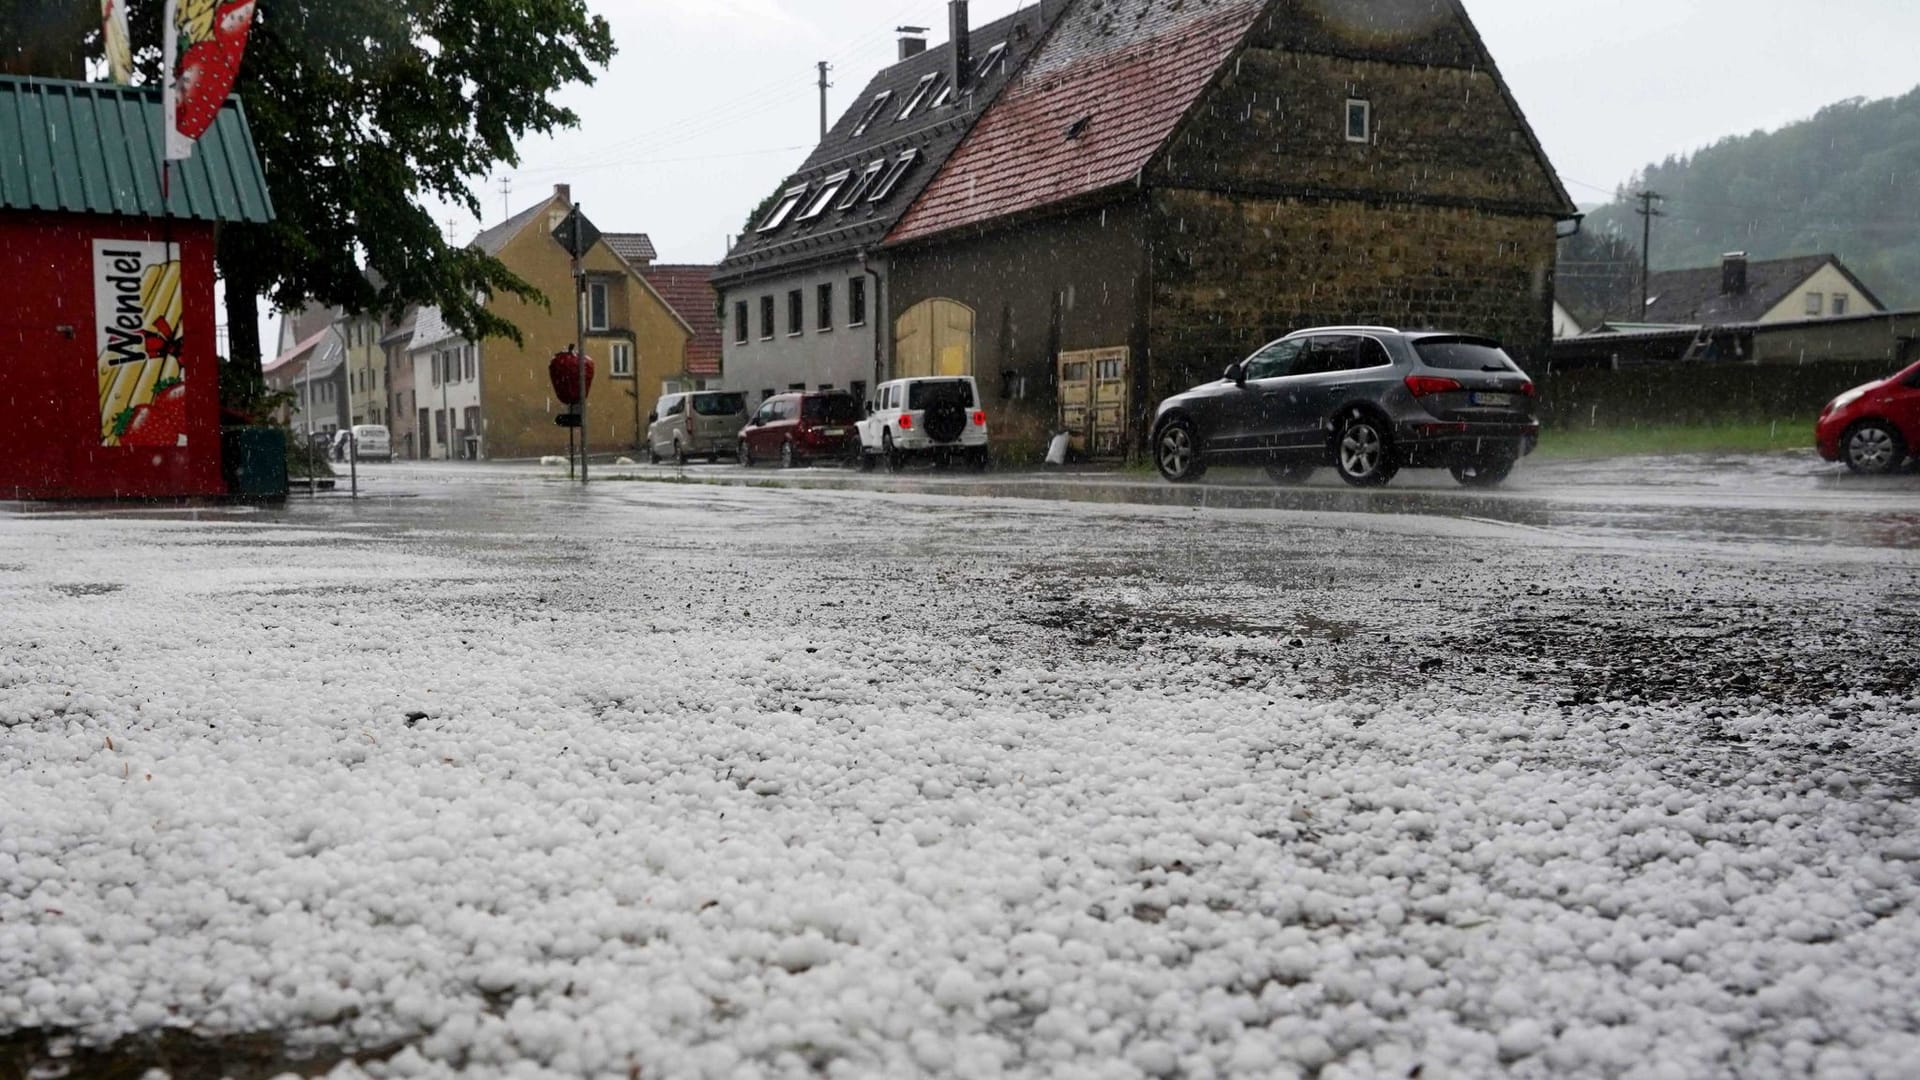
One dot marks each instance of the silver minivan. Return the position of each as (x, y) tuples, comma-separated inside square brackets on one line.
[(704, 423)]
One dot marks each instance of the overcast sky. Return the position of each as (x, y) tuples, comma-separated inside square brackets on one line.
[(711, 102)]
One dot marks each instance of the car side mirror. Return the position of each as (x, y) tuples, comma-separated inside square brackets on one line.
[(1237, 374), (653, 418)]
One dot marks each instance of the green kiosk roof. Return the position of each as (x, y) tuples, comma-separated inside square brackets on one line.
[(95, 148)]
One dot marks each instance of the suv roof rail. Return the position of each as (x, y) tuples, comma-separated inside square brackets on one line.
[(1335, 329)]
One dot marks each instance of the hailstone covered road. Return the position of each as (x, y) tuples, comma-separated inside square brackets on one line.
[(485, 774)]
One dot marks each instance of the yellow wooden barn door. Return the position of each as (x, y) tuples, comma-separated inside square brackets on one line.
[(933, 337), (1095, 391)]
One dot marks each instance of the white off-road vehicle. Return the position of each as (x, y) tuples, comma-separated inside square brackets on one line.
[(941, 418)]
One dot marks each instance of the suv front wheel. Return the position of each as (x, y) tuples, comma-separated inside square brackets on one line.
[(1363, 453), (1176, 450)]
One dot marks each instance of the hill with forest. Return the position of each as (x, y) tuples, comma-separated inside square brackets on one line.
[(1845, 181)]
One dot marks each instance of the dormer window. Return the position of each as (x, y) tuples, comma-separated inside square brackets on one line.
[(824, 198), (919, 95), (873, 113), (789, 200), (1359, 120), (861, 184), (996, 58), (892, 180)]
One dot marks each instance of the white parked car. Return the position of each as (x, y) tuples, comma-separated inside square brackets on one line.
[(372, 442), (941, 418)]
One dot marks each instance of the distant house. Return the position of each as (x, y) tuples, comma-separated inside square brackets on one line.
[(402, 397), (1168, 184), (1743, 291), (314, 371), (805, 288), (365, 361), (446, 389), (688, 290)]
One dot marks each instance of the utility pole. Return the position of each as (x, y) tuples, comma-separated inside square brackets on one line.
[(824, 84), (1647, 214), (506, 191)]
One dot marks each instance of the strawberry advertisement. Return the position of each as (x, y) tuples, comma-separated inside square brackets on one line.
[(205, 41), (137, 323)]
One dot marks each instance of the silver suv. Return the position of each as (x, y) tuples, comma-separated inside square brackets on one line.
[(704, 423), (1367, 400)]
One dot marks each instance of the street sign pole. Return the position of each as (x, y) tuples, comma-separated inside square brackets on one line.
[(578, 236)]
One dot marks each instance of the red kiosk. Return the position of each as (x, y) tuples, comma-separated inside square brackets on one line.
[(107, 313)]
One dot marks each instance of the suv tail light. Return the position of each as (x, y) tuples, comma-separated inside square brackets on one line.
[(906, 422), (1428, 385), (979, 418), (1527, 388)]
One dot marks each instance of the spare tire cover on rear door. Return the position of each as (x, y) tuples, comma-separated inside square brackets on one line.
[(946, 421)]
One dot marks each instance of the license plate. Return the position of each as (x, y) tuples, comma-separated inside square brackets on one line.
[(833, 432), (1493, 399)]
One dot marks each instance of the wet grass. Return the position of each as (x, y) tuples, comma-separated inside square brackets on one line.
[(1558, 444)]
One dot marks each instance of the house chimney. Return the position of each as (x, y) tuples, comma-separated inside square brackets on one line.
[(1733, 273), (962, 36), (912, 45), (563, 192)]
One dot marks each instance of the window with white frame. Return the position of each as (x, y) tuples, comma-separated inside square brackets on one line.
[(740, 328), (1359, 120), (1816, 303), (873, 113), (1840, 301), (824, 197), (622, 362), (919, 95), (943, 93), (892, 180), (782, 210), (597, 307), (995, 60), (861, 184), (470, 360)]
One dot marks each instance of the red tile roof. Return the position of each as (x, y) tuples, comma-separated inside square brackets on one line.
[(685, 289), (1131, 79)]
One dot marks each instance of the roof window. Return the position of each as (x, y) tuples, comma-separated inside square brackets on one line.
[(873, 112), (784, 209), (860, 184), (996, 58), (892, 180), (919, 95), (943, 93), (824, 198), (1078, 128)]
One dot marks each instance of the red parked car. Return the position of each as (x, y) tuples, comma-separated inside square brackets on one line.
[(1873, 427), (796, 428)]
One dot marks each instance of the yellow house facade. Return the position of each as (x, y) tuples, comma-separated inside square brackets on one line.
[(637, 341)]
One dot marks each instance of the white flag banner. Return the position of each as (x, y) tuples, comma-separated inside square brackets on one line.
[(113, 17)]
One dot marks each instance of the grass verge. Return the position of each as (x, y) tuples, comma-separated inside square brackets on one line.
[(1560, 444)]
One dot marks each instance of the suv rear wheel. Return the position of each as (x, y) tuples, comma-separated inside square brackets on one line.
[(1363, 453), (1176, 450)]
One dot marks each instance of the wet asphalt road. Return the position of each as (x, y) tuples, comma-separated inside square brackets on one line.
[(1684, 598)]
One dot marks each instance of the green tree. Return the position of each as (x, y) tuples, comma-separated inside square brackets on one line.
[(365, 112)]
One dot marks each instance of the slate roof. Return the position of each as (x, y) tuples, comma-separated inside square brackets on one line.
[(94, 148), (688, 291), (430, 328), (636, 248), (933, 133), (1694, 296), (495, 240), (1130, 68)]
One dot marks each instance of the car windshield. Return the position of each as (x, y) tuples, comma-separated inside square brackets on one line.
[(1463, 354), (837, 409), (720, 404), (926, 395)]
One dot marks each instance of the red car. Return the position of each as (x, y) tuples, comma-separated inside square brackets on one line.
[(1873, 427), (793, 428)]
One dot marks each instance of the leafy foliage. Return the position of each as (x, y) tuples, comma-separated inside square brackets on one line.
[(364, 111), (1846, 181)]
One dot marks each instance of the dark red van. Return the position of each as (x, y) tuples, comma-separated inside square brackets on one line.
[(795, 428)]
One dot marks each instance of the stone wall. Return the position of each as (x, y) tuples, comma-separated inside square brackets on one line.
[(1230, 273)]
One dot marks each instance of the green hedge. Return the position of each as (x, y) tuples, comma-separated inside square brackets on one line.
[(1695, 394)]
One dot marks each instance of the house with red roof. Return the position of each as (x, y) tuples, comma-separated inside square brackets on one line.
[(688, 290), (1166, 185)]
